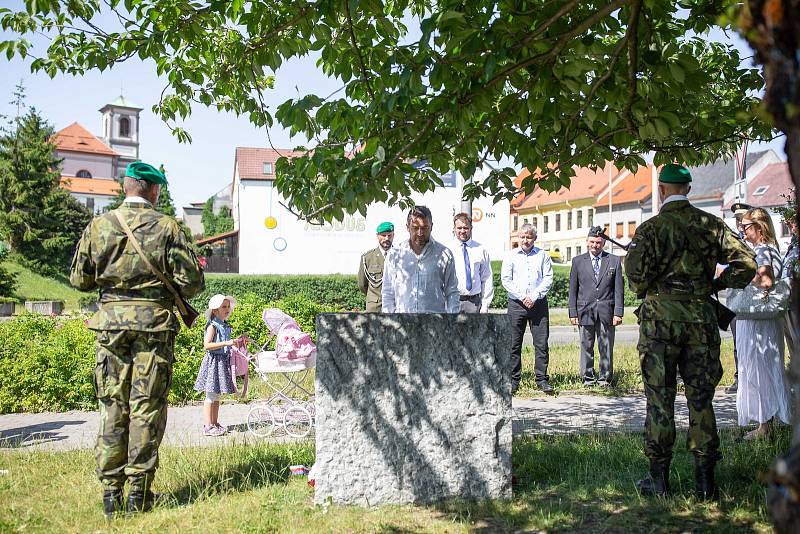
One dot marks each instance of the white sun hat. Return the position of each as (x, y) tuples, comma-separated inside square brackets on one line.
[(216, 301)]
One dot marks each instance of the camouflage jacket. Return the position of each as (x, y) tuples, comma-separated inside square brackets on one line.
[(673, 258), (131, 296)]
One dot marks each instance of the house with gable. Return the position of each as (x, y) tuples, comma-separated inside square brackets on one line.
[(91, 166), (562, 218), (87, 168), (767, 189), (621, 207)]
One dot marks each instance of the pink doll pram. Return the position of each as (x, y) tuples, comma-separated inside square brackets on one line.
[(290, 407)]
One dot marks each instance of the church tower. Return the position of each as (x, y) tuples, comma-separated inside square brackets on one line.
[(121, 131)]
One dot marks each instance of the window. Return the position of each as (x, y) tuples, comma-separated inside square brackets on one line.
[(267, 167), (558, 222), (535, 223), (784, 229), (578, 251), (569, 253), (620, 230), (760, 190), (546, 224), (605, 229), (590, 217), (631, 228), (640, 188), (83, 173), (524, 220), (90, 204), (516, 222), (569, 221), (124, 127), (579, 221)]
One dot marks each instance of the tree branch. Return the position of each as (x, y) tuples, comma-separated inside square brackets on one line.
[(566, 8), (358, 51), (633, 59)]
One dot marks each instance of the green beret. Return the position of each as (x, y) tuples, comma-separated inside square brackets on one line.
[(674, 174), (143, 171), (385, 227)]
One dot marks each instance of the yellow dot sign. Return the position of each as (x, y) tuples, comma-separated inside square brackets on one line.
[(271, 222)]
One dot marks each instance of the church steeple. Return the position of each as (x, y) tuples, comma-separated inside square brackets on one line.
[(121, 131)]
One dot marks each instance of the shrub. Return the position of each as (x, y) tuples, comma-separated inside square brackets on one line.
[(335, 291), (341, 291), (47, 363)]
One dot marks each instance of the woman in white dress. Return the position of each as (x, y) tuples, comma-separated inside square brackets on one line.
[(763, 393)]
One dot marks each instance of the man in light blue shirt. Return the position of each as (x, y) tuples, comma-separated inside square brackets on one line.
[(419, 275), (527, 275)]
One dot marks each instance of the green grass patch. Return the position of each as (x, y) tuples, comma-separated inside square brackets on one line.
[(581, 483), (565, 359), (33, 286)]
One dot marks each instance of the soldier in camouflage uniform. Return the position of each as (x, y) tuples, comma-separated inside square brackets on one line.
[(671, 264), (135, 329)]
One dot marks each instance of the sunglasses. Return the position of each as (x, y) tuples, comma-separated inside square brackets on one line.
[(745, 226)]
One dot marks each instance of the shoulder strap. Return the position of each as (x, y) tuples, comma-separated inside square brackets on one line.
[(153, 269)]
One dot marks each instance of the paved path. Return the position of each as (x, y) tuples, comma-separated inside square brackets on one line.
[(566, 413)]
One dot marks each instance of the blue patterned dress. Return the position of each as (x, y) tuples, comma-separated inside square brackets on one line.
[(215, 371)]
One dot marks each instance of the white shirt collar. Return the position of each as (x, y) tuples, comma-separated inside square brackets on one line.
[(673, 198), (138, 200)]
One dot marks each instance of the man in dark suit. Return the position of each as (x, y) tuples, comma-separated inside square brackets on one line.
[(596, 305)]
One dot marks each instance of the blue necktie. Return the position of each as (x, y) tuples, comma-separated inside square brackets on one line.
[(596, 268), (468, 266)]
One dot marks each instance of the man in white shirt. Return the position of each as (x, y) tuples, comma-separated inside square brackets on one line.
[(527, 275), (419, 275), (473, 268)]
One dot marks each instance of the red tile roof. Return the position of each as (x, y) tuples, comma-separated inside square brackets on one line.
[(76, 138), (90, 186), (777, 181), (632, 188), (250, 161), (586, 183)]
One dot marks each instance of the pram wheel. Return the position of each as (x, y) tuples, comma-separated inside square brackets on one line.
[(297, 421), (260, 421)]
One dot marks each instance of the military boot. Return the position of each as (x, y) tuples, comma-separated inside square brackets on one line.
[(140, 501), (705, 487), (112, 503), (657, 480)]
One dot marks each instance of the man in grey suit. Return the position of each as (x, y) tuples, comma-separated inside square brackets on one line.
[(596, 305)]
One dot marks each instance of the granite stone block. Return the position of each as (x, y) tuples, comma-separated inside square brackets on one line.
[(412, 408)]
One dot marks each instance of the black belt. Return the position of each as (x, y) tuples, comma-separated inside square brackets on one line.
[(471, 298)]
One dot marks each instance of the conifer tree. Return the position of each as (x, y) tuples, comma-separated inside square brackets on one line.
[(39, 221)]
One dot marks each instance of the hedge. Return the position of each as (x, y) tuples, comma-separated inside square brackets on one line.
[(341, 291), (46, 363)]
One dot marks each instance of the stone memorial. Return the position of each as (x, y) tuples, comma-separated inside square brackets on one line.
[(412, 408)]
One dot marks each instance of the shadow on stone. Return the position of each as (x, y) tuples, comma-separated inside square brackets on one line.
[(412, 408)]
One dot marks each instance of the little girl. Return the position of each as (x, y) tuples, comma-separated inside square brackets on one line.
[(215, 377)]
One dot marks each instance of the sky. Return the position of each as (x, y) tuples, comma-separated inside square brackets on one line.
[(197, 170)]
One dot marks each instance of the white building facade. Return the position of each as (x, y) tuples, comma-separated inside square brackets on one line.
[(273, 241)]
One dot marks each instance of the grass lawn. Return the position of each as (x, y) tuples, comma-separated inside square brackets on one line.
[(567, 484), (563, 370), (33, 286)]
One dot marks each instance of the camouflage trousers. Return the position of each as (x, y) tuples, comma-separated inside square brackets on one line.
[(132, 377), (693, 348)]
